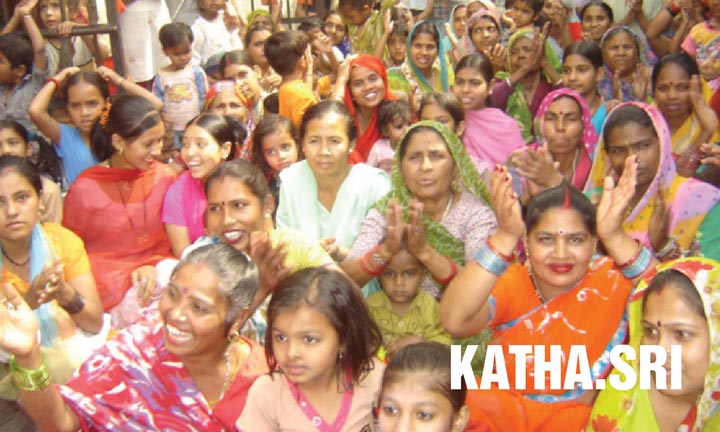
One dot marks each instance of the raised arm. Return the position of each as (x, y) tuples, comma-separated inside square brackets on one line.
[(128, 86), (38, 109), (33, 32)]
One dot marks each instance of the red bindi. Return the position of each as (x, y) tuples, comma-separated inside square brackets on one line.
[(659, 324)]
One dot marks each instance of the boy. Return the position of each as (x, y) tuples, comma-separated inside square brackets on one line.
[(404, 312), (288, 54), (23, 68), (365, 26), (394, 118), (180, 85)]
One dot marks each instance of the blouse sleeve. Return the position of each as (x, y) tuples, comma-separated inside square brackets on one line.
[(258, 414), (479, 227), (372, 232), (173, 211)]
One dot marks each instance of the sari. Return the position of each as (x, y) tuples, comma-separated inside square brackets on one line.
[(687, 200), (366, 140), (686, 134), (117, 213), (491, 135), (645, 57), (518, 317), (620, 410), (589, 139)]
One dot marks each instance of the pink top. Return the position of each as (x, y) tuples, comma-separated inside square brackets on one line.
[(185, 205), (491, 135)]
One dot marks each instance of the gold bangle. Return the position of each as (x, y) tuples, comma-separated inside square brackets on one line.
[(30, 380)]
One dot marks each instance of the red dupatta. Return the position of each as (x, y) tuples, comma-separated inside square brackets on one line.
[(366, 141)]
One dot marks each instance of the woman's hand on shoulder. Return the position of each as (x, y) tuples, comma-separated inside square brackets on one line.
[(615, 199), (505, 204), (18, 323)]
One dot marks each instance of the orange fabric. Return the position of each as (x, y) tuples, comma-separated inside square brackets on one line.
[(294, 98)]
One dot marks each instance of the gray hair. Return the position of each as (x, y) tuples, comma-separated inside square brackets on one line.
[(237, 273)]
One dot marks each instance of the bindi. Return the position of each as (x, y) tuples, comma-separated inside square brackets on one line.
[(659, 323), (561, 231)]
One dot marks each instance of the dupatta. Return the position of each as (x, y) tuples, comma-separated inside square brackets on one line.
[(619, 410), (368, 138), (686, 200)]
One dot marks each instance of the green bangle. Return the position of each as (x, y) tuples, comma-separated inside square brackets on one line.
[(30, 380)]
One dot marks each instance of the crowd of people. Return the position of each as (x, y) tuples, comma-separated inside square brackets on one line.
[(281, 225)]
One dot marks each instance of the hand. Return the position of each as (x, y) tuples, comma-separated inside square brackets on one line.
[(537, 166), (270, 260), (66, 73), (451, 35), (18, 323), (712, 152), (615, 200), (708, 71), (617, 86), (417, 242), (333, 249), (109, 75), (64, 28), (395, 229), (388, 22), (323, 44), (505, 204), (498, 58), (144, 281), (659, 223), (705, 115), (636, 7), (640, 81), (25, 7), (50, 285)]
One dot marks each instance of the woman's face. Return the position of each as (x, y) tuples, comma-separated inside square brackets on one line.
[(579, 74), (668, 320), (423, 51), (262, 20), (428, 166), (233, 212), (11, 143), (85, 105), (560, 247), (620, 53), (471, 88), (326, 145), (140, 152), (335, 28), (459, 21), (485, 34), (201, 152), (227, 103), (634, 139), (595, 21), (19, 204), (245, 77), (562, 126), (256, 49), (279, 150), (521, 52), (366, 87), (672, 92)]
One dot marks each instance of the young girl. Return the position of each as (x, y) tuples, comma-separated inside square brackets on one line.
[(320, 346), (275, 148), (416, 392), (336, 28), (255, 47), (207, 142), (212, 34), (14, 141), (490, 134), (394, 118), (87, 99), (483, 35)]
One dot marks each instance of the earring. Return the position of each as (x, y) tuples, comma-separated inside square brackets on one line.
[(341, 354), (234, 336)]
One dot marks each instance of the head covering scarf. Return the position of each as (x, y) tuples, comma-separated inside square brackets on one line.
[(366, 141), (620, 410), (424, 85), (687, 200), (467, 43), (587, 142), (256, 13), (231, 86), (645, 57), (438, 236)]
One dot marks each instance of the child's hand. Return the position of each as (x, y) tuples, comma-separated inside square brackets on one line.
[(66, 73), (64, 28), (25, 7), (712, 153), (109, 75), (323, 44)]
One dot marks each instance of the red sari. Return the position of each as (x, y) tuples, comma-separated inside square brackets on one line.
[(117, 213)]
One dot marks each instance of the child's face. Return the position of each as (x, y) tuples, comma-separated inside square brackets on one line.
[(85, 105), (485, 34), (436, 113), (262, 20), (246, 78), (180, 55), (201, 152), (50, 13), (229, 104), (211, 7), (668, 320), (8, 74), (256, 49), (280, 150), (306, 347), (423, 50), (406, 405), (459, 21), (355, 16), (335, 28), (396, 48), (11, 143), (313, 35), (472, 89), (395, 130), (579, 74), (522, 13), (401, 278)]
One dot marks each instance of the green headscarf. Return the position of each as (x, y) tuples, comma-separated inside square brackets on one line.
[(257, 12)]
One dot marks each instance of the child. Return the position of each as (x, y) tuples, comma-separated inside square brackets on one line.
[(25, 66), (320, 344), (702, 43), (287, 52), (416, 392), (365, 26), (444, 108), (405, 313), (238, 66), (274, 149), (523, 13), (326, 57), (394, 117), (212, 34), (180, 85), (490, 134), (337, 30), (396, 36)]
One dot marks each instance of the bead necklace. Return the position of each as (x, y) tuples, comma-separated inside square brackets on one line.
[(447, 207), (19, 264)]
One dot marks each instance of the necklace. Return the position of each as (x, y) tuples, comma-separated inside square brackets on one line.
[(447, 207), (18, 264), (539, 295), (226, 378)]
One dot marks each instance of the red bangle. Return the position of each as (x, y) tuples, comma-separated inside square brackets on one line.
[(506, 258), (54, 81), (451, 276), (377, 270), (634, 258), (673, 9)]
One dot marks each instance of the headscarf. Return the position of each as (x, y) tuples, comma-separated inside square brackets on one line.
[(438, 236), (645, 57), (423, 84), (616, 409), (467, 44), (366, 141), (589, 137), (686, 200), (221, 86), (256, 13)]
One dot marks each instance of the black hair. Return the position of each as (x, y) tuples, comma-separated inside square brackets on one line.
[(22, 167), (682, 284), (389, 110), (478, 62), (238, 57), (587, 49), (623, 115), (175, 33), (271, 103), (285, 49), (270, 124), (604, 6), (537, 5), (254, 29), (18, 50), (326, 107), (682, 59), (448, 102), (562, 196), (310, 23), (426, 27), (354, 4), (244, 171), (89, 77), (128, 117), (220, 128), (46, 159), (405, 141), (399, 29)]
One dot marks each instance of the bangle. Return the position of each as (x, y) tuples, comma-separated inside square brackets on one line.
[(634, 257), (54, 81), (30, 380), (509, 82), (377, 263), (76, 305), (507, 258), (638, 266), (671, 250), (490, 261), (673, 9), (451, 276)]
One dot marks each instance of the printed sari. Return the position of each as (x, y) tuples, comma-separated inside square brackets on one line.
[(645, 57), (630, 410)]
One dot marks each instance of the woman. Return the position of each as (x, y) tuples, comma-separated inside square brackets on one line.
[(196, 370), (483, 34), (436, 184), (681, 293), (115, 208), (208, 140), (255, 47), (596, 17), (363, 84), (237, 66), (681, 98), (669, 214), (625, 74), (324, 196), (555, 300), (566, 141)]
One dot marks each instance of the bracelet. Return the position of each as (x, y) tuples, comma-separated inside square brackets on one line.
[(76, 305), (451, 276), (671, 250), (639, 265), (30, 380), (509, 82), (378, 264), (54, 81), (490, 261), (507, 258), (634, 257), (673, 9)]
